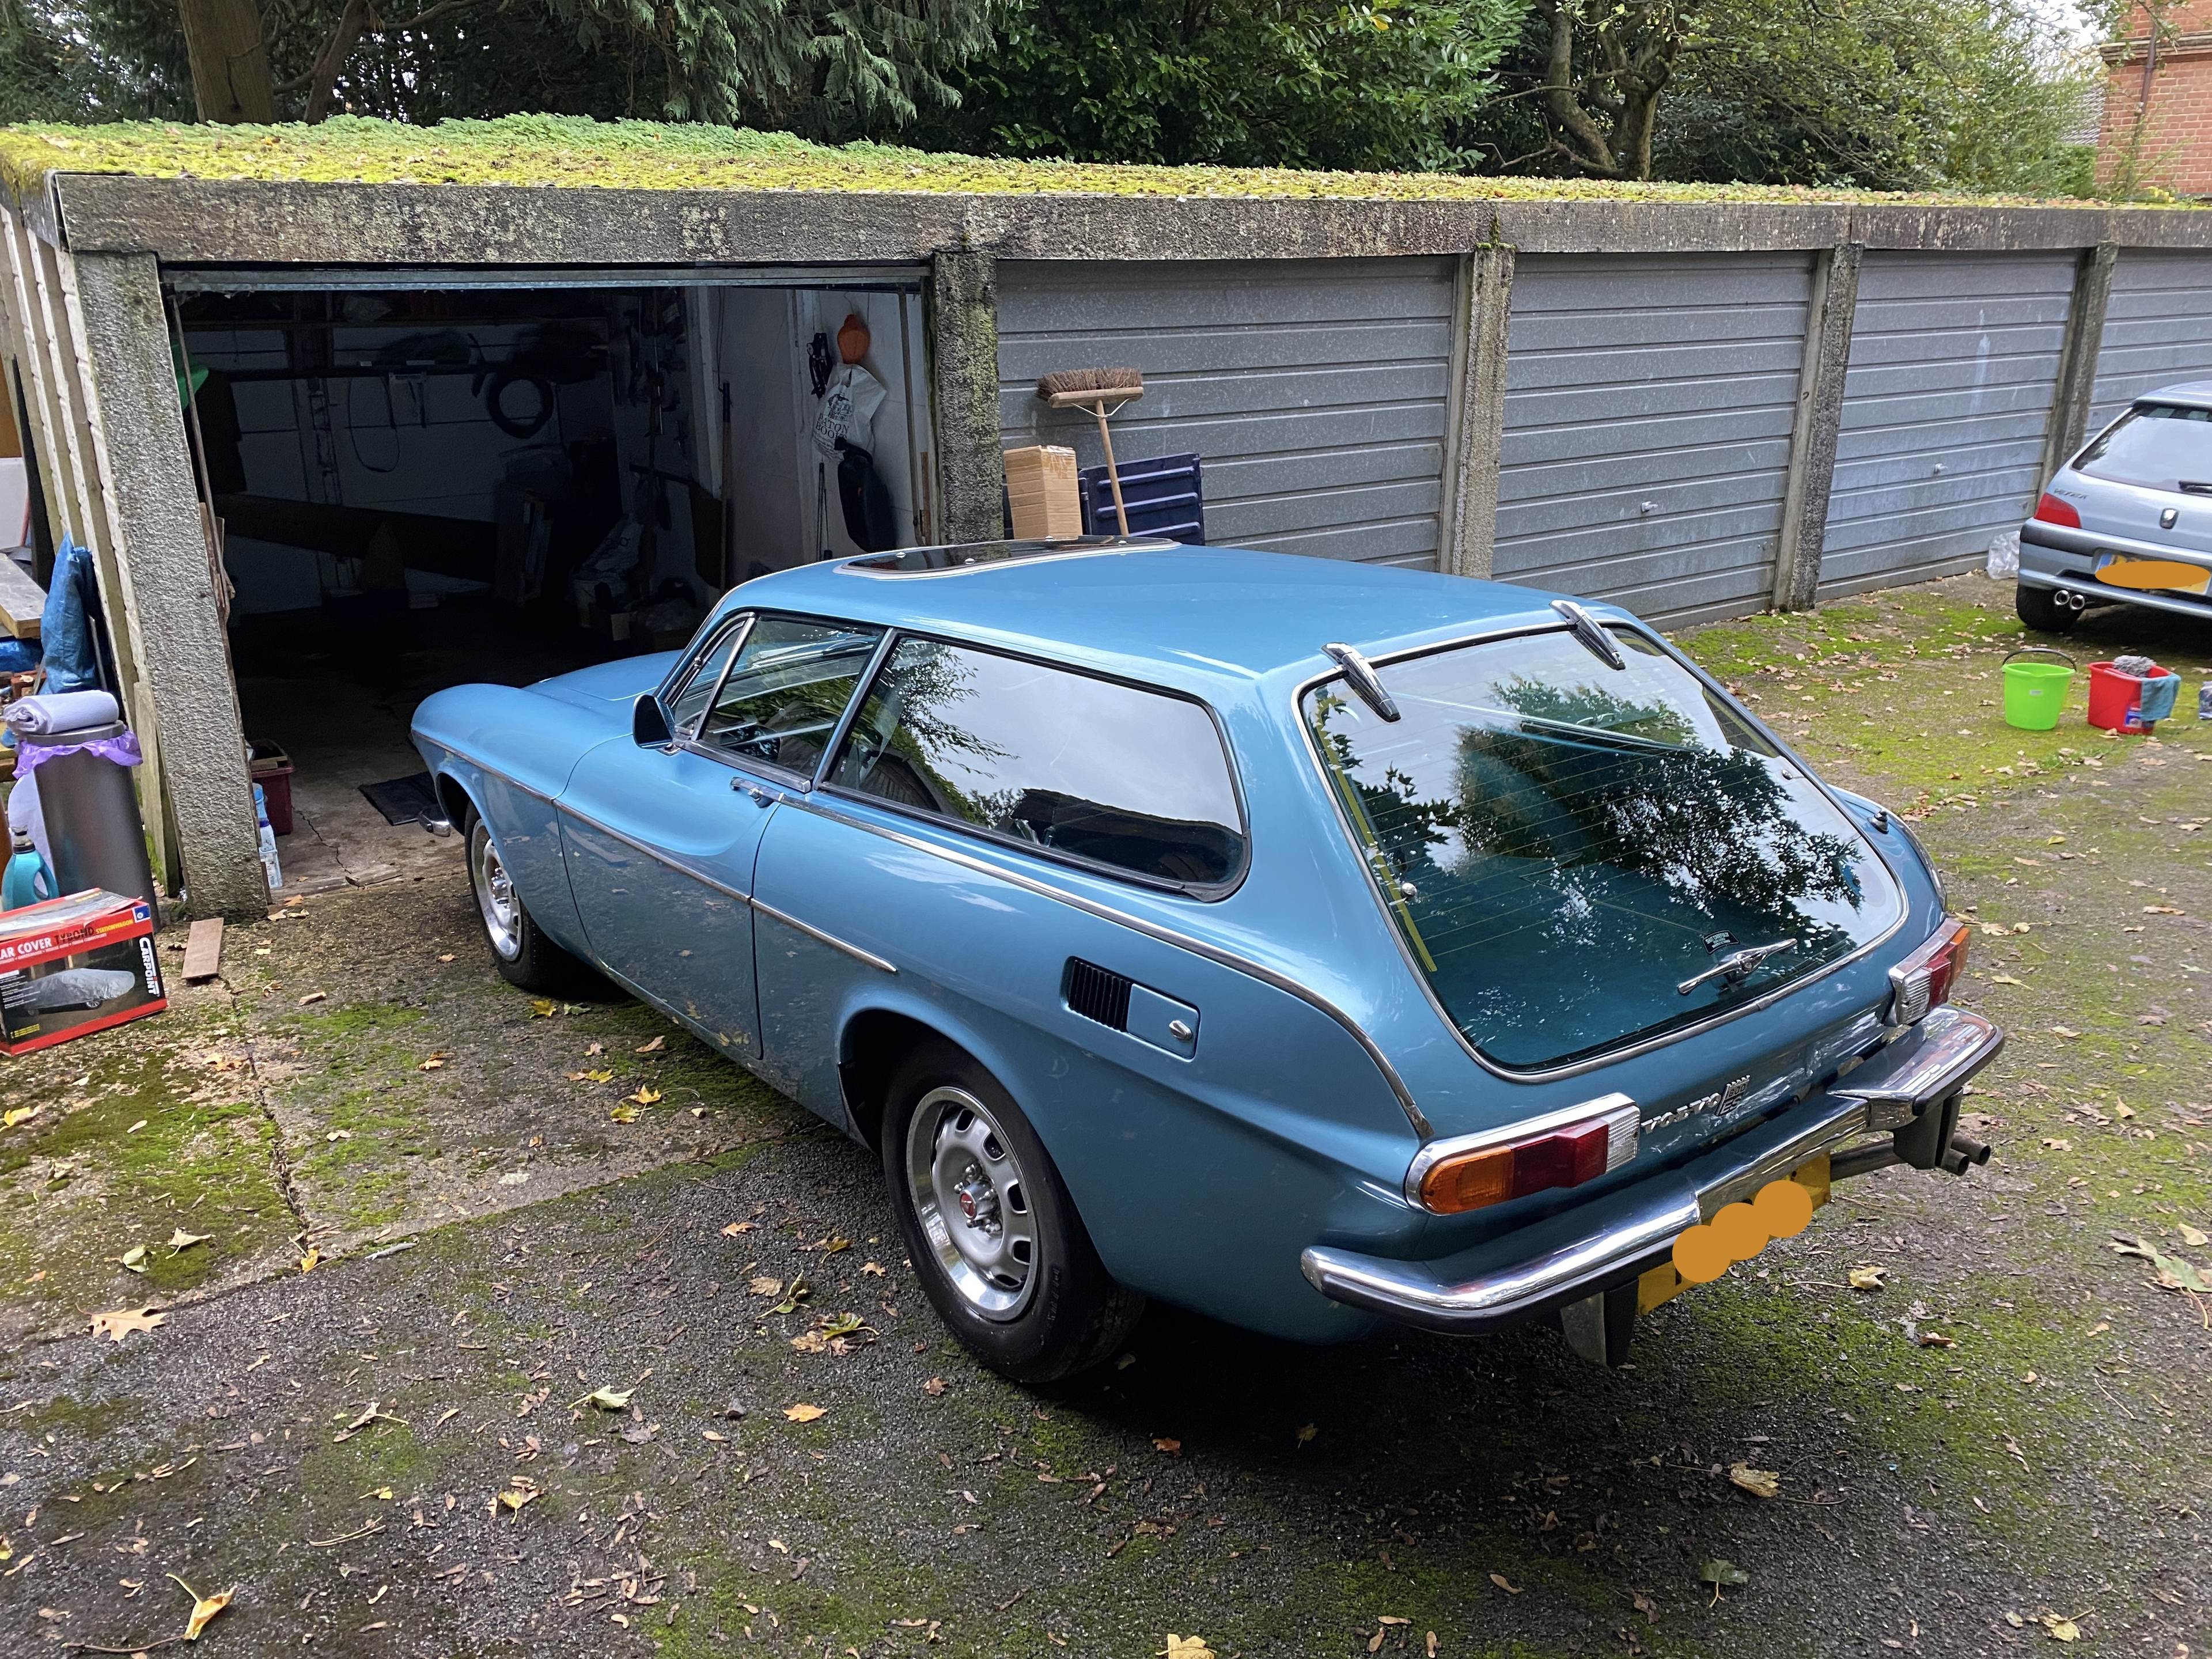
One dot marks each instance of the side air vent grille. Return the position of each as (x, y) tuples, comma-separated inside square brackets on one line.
[(1098, 993)]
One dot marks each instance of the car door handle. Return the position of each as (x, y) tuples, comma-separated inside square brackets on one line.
[(759, 796)]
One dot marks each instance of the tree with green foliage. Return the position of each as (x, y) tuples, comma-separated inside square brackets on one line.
[(1312, 84), (827, 68)]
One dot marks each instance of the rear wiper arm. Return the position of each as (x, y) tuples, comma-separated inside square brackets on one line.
[(1736, 965), (1590, 633)]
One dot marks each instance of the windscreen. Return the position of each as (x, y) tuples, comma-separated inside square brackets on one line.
[(1579, 856), (2157, 446)]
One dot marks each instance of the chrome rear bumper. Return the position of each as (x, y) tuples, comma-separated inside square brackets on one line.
[(1571, 1256)]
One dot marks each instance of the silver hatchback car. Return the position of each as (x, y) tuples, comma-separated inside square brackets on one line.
[(2127, 520)]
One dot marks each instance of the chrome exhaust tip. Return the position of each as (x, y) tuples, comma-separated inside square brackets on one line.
[(2071, 599)]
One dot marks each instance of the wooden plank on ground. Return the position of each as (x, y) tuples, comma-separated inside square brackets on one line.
[(22, 601), (203, 950)]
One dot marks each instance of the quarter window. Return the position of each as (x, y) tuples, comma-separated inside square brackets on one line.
[(689, 703), (785, 692), (1081, 767)]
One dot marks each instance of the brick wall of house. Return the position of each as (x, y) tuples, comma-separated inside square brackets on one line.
[(2170, 133)]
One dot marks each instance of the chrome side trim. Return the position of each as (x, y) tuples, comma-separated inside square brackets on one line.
[(1212, 953), (1611, 1056), (1436, 1151), (821, 938), (1936, 1058), (507, 778), (658, 858)]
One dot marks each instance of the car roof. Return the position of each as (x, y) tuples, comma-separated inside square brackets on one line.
[(1189, 617), (2197, 394)]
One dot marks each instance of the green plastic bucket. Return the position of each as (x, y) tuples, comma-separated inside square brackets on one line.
[(2034, 692)]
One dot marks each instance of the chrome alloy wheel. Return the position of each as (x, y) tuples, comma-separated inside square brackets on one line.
[(496, 900), (973, 1201)]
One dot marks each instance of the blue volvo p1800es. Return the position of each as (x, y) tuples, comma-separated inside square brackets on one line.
[(1302, 943)]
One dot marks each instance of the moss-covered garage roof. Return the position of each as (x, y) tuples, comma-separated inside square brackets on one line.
[(580, 153)]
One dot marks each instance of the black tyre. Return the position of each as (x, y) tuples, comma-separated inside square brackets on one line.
[(2039, 609), (993, 1236), (520, 949)]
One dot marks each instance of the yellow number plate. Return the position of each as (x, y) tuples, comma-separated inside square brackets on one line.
[(2158, 576), (1666, 1281)]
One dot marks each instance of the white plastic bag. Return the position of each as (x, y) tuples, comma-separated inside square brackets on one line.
[(2004, 556)]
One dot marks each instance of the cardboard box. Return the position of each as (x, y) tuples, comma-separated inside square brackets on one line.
[(75, 965), (1040, 489)]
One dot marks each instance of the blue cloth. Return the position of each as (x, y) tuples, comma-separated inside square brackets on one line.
[(19, 656), (72, 654), (2155, 700)]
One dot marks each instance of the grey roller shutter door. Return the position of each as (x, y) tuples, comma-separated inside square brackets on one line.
[(1314, 391), (2158, 328), (1953, 373), (1649, 406)]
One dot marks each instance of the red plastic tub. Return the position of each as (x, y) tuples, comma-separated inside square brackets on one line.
[(272, 770), (2116, 699)]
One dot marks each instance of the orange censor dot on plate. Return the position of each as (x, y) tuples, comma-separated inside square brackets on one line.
[(1782, 1209)]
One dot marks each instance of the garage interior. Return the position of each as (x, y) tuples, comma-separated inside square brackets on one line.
[(418, 487)]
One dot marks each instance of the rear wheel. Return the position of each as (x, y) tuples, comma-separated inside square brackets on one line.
[(2039, 609), (520, 948), (993, 1236)]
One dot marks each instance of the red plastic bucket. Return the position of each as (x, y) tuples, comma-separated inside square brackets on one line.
[(2116, 699)]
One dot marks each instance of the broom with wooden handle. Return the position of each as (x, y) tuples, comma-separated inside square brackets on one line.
[(1093, 389)]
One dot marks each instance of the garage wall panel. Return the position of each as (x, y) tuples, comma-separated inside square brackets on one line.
[(1314, 391), (1952, 374), (1649, 403), (2158, 328)]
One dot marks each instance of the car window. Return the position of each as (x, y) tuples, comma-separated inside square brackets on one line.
[(2158, 446), (698, 685), (1083, 766), (787, 691)]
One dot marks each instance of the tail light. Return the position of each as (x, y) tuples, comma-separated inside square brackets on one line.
[(1565, 1149), (2051, 510), (1924, 979)]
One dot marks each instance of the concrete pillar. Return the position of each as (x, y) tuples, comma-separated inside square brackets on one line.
[(1475, 434), (2077, 357), (186, 660), (1819, 421), (963, 383)]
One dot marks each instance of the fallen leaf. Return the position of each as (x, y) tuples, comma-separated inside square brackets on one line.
[(2196, 1237), (436, 1063), (133, 1130), (2173, 1273), (15, 1114), (515, 1497), (1186, 1647), (644, 1097), (119, 1323), (1499, 1579), (2065, 1031), (612, 1400), (446, 956), (623, 1113), (734, 1228), (543, 1008), (1307, 1431), (205, 1607), (1168, 1444), (135, 1258), (181, 1240), (873, 1269), (802, 1412), (1718, 1572), (592, 1048), (1759, 1483), (653, 1047), (2003, 979), (934, 1387), (764, 1285), (1868, 1279), (314, 996), (2061, 1630)]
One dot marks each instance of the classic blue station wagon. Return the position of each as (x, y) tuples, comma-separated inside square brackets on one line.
[(1306, 943)]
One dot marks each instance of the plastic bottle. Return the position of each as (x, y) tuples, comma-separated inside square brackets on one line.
[(29, 879)]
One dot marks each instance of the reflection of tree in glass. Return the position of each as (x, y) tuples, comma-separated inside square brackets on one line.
[(1629, 792), (923, 686)]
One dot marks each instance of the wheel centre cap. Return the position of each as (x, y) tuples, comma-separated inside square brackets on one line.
[(978, 1202)]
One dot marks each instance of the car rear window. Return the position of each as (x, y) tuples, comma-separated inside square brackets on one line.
[(1569, 849), (1066, 762), (2158, 446)]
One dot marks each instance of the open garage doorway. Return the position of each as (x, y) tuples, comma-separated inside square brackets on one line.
[(501, 479)]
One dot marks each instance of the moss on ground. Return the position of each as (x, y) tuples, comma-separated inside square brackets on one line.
[(578, 152)]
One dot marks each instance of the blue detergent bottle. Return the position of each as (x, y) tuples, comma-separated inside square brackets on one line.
[(29, 879)]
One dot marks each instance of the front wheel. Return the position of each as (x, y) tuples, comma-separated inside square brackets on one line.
[(520, 949), (2039, 609), (994, 1238)]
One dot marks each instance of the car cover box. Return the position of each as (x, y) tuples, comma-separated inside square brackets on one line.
[(73, 965)]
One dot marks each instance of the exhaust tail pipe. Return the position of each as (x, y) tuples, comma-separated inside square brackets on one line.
[(2071, 600)]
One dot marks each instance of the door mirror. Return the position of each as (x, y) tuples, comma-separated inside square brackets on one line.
[(649, 722)]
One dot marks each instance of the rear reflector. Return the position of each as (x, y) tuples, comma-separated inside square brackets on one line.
[(2051, 510), (1490, 1170), (1924, 979)]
